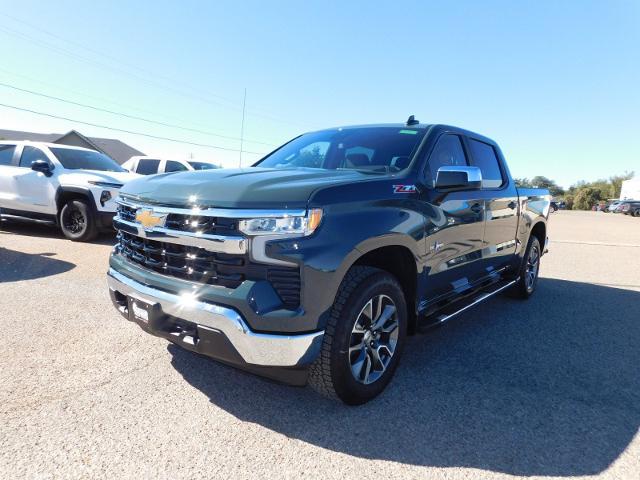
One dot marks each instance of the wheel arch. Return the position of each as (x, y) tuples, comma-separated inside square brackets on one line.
[(400, 260), (539, 230), (65, 194)]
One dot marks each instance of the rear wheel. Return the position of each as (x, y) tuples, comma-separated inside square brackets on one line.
[(77, 221), (529, 270), (364, 337)]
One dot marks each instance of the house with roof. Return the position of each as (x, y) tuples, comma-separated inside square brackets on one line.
[(117, 150)]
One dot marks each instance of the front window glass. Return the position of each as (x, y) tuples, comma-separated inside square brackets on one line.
[(73, 159), (30, 155), (375, 149), (173, 166), (448, 152), (202, 165)]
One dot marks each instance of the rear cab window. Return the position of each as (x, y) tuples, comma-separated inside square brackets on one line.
[(147, 166), (6, 154), (484, 157)]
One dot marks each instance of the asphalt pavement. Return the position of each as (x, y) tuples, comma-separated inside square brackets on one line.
[(549, 387)]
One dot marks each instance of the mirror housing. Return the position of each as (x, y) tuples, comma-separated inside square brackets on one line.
[(457, 178), (41, 166)]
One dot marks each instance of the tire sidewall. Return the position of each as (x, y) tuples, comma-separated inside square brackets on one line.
[(346, 386), (86, 211)]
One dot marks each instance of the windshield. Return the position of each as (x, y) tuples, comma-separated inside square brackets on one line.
[(202, 165), (385, 149), (72, 159)]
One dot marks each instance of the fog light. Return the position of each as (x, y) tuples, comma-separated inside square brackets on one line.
[(105, 196)]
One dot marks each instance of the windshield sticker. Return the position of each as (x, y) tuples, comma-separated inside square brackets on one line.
[(408, 132), (404, 188)]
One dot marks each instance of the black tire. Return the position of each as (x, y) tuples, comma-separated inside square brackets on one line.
[(331, 374), (78, 222), (526, 285)]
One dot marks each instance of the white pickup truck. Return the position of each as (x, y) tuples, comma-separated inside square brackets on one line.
[(73, 187)]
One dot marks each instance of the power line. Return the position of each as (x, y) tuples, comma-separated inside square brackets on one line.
[(146, 78), (134, 117), (157, 137)]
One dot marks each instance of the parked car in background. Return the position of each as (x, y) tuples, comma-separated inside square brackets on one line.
[(554, 206), (613, 206), (152, 165), (314, 264), (72, 187), (630, 207)]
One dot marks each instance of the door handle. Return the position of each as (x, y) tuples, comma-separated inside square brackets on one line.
[(476, 207), (512, 205)]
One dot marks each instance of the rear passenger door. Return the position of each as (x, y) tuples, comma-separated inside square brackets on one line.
[(7, 170), (501, 204)]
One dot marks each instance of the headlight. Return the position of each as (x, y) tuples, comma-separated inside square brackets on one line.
[(282, 225)]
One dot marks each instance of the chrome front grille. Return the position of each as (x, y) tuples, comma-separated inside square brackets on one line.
[(174, 253)]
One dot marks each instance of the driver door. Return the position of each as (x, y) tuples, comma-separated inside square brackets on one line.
[(454, 228), (33, 191)]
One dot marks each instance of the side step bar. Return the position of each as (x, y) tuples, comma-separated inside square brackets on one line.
[(444, 316)]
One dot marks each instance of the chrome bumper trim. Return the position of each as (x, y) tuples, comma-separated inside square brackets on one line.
[(255, 348), (212, 243)]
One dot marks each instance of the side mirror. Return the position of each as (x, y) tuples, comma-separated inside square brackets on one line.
[(454, 178), (41, 166)]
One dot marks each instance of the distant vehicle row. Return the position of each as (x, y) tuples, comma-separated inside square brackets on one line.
[(153, 165)]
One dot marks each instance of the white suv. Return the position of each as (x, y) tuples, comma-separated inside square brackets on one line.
[(74, 187), (153, 165)]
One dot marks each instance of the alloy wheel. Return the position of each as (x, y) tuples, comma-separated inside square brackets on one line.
[(533, 264), (373, 339)]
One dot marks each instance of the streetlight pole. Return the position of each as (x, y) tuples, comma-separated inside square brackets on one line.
[(244, 105)]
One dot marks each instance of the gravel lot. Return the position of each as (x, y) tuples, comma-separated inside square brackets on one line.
[(549, 387)]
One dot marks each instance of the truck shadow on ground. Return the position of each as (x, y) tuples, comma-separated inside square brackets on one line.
[(17, 266), (544, 387)]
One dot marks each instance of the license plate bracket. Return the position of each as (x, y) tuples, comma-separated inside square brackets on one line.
[(142, 312)]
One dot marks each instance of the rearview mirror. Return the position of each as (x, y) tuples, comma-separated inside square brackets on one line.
[(41, 166), (454, 178)]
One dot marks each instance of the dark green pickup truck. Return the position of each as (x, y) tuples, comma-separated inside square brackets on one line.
[(314, 265)]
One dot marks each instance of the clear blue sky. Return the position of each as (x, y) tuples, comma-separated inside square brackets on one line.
[(555, 83)]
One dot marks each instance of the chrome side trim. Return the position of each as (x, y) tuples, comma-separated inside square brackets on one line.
[(216, 212), (482, 298), (255, 348), (212, 243)]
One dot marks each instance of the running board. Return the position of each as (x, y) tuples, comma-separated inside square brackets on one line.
[(443, 317)]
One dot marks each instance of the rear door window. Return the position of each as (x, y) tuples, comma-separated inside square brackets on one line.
[(147, 166), (6, 154), (484, 157), (447, 152)]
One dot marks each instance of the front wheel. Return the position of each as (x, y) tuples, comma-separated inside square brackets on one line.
[(526, 284), (78, 222), (364, 337)]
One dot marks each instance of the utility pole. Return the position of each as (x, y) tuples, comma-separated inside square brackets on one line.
[(244, 105)]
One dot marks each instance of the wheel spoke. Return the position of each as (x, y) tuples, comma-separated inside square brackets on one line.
[(366, 367), (378, 365), (386, 314)]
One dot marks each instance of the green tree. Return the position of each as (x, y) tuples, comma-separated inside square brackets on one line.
[(616, 183), (587, 197), (544, 182)]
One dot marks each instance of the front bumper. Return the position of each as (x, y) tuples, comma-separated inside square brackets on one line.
[(216, 331)]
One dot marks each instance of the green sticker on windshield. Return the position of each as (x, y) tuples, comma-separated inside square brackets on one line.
[(408, 132)]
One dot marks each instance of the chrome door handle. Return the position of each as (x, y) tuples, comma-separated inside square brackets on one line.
[(512, 205)]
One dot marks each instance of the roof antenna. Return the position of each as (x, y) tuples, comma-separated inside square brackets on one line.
[(412, 121)]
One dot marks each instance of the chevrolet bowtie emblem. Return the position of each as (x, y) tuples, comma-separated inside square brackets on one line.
[(148, 219)]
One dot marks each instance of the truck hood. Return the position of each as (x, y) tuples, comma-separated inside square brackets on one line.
[(239, 188)]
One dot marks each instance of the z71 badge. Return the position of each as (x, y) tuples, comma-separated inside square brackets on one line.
[(404, 188)]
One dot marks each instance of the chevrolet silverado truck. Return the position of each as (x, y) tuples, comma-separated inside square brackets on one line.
[(313, 265)]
